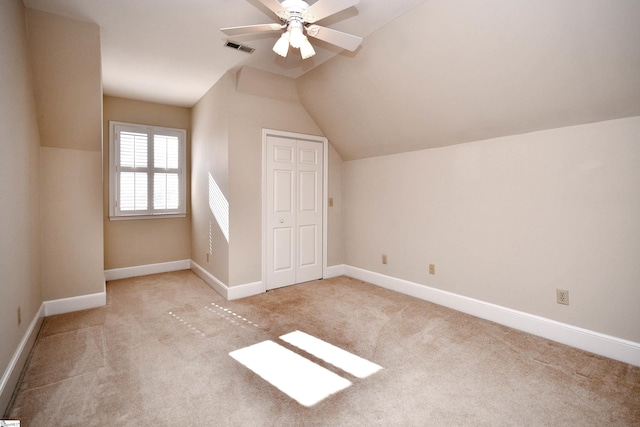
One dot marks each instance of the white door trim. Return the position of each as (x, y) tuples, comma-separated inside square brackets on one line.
[(325, 192)]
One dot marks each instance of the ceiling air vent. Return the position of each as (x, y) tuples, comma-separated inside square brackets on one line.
[(238, 46)]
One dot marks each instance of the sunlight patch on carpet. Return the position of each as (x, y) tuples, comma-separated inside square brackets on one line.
[(299, 378), (187, 324), (230, 316), (348, 362)]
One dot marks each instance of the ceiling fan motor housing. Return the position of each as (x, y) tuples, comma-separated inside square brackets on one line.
[(295, 5), (296, 10)]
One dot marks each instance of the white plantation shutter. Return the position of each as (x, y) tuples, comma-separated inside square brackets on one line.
[(134, 149), (147, 171), (133, 191), (166, 155), (166, 191), (166, 151)]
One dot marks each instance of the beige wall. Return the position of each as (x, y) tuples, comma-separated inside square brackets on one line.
[(20, 274), (228, 125), (130, 243), (335, 240), (509, 220), (65, 54), (71, 222), (67, 79), (210, 165)]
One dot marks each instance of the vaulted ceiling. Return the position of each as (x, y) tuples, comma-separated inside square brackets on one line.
[(429, 73), (172, 51)]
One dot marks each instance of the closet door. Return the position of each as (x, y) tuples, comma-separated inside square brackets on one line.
[(294, 211), (309, 212)]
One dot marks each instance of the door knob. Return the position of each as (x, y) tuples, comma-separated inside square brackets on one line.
[(281, 221)]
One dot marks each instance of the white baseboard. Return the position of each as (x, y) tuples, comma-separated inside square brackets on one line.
[(249, 289), (243, 291), (227, 292), (246, 290), (144, 270), (82, 302), (14, 369), (210, 280), (334, 271), (584, 339)]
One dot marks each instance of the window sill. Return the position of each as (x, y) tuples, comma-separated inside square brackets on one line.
[(157, 216)]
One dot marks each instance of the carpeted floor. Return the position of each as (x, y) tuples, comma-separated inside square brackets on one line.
[(158, 354)]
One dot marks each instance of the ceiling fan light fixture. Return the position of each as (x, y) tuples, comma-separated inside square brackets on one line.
[(306, 49), (282, 45)]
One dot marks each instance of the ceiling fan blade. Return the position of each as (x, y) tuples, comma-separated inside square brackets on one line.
[(338, 38), (276, 8), (323, 8), (248, 29)]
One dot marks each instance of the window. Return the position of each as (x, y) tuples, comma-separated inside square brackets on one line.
[(147, 177)]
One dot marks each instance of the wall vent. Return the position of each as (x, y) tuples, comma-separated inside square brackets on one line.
[(238, 46)]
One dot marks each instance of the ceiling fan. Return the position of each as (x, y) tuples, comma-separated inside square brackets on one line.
[(298, 18)]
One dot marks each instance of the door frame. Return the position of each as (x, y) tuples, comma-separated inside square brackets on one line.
[(325, 192)]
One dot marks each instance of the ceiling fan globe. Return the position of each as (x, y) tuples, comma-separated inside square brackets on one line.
[(282, 45), (296, 36), (306, 50)]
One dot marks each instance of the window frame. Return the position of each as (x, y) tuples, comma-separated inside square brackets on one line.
[(115, 128)]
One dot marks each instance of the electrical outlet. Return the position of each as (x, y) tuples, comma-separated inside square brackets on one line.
[(432, 269), (384, 259), (19, 316), (562, 296)]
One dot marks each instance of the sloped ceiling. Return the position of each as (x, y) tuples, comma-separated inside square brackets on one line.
[(457, 71)]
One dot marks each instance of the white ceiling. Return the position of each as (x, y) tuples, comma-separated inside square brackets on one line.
[(172, 52)]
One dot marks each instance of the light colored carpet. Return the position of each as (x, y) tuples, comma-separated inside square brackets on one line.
[(158, 354)]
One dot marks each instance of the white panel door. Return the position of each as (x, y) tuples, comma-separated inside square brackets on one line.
[(309, 212), (294, 211)]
